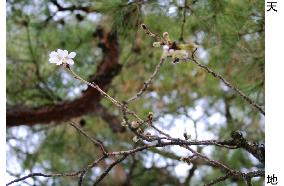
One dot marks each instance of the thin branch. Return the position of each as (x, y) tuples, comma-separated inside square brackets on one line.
[(213, 162), (151, 34), (160, 131), (248, 176), (258, 151), (183, 21), (18, 176), (109, 168), (190, 174), (126, 153), (131, 170), (238, 91), (148, 82), (95, 86), (44, 175), (80, 182), (72, 8), (217, 180), (46, 89), (96, 142)]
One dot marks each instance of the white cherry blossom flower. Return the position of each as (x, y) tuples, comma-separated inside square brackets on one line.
[(62, 57), (166, 52), (181, 54)]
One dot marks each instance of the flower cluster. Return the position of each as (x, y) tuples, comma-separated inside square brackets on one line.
[(175, 54), (62, 57), (172, 49)]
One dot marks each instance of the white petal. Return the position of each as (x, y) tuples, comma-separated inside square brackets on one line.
[(165, 47), (61, 53), (70, 61), (53, 54), (181, 54), (53, 60), (171, 52), (72, 54), (65, 53), (59, 62)]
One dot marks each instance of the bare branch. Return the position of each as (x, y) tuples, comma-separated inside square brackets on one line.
[(217, 180), (238, 91), (80, 182), (126, 153), (183, 20), (148, 82), (44, 175), (109, 168), (151, 34), (96, 142)]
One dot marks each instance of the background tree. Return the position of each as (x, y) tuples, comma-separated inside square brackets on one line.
[(112, 51)]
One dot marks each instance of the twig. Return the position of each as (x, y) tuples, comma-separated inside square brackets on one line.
[(44, 175), (213, 162), (131, 170), (151, 34), (161, 132), (80, 182), (95, 86), (217, 180), (69, 174), (190, 174), (148, 82), (238, 91), (96, 142), (126, 153), (183, 21), (258, 151), (248, 176), (109, 168), (18, 176)]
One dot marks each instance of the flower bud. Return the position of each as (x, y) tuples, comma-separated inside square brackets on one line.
[(139, 130), (135, 124), (135, 139), (123, 123), (165, 34), (156, 44), (186, 136), (150, 117)]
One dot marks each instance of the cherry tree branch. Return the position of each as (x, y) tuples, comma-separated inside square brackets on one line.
[(147, 82), (126, 153), (94, 141), (234, 88)]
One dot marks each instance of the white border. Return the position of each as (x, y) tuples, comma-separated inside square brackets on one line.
[(274, 89)]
